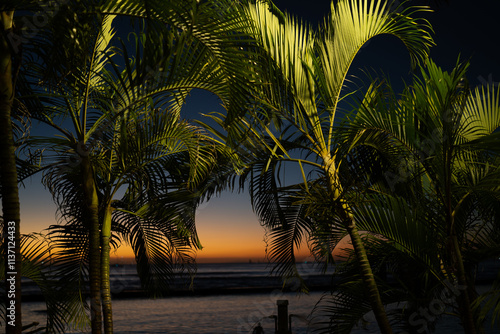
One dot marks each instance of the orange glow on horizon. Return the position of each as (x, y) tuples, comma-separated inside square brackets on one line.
[(228, 255), (227, 227)]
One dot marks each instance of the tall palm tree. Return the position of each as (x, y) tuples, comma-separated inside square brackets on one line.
[(198, 53), (438, 198), (67, 42), (8, 174), (13, 42), (296, 112)]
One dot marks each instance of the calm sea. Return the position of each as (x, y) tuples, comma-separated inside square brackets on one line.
[(236, 313)]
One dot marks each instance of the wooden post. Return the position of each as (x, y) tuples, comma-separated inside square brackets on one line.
[(282, 317)]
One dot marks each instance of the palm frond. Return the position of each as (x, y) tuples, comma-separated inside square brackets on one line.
[(214, 30), (482, 111), (160, 235)]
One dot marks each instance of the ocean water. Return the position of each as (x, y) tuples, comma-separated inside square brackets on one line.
[(231, 314), (236, 313)]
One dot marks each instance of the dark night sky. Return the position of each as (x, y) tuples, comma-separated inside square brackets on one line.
[(466, 28)]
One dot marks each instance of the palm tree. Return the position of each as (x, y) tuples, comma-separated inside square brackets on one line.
[(203, 51), (208, 31), (12, 44), (8, 174), (437, 200), (157, 159), (295, 117)]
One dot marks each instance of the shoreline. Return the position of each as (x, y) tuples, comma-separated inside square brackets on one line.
[(223, 280), (217, 291), (203, 287)]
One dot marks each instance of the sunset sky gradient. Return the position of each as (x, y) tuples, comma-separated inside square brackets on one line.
[(227, 227)]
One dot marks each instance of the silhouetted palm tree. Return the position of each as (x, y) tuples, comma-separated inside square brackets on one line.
[(186, 45), (8, 172)]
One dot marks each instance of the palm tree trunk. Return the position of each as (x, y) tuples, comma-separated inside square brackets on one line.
[(10, 191), (368, 278), (457, 263), (464, 299), (359, 249), (92, 206), (105, 284)]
